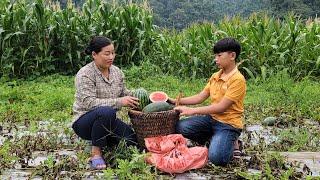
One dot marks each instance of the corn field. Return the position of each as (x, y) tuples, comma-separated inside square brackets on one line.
[(268, 46), (41, 38)]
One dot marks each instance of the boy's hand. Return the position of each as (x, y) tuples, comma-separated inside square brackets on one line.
[(171, 101), (184, 110)]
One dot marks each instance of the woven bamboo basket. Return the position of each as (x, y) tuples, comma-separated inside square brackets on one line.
[(153, 124)]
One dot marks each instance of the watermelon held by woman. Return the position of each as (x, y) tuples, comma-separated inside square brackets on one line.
[(143, 97), (158, 96)]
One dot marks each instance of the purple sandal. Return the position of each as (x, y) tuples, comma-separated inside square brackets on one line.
[(96, 161)]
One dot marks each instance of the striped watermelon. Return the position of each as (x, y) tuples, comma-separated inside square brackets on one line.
[(157, 107), (143, 97)]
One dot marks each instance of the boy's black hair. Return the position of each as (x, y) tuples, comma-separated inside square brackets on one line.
[(227, 44)]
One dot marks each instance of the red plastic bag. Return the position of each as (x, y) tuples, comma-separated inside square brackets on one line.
[(163, 144), (171, 154)]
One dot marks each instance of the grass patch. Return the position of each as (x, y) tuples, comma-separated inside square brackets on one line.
[(280, 95), (39, 99), (52, 97)]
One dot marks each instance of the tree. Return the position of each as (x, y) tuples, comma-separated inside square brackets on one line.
[(181, 13), (304, 8)]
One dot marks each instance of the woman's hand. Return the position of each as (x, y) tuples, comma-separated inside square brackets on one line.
[(184, 110), (129, 101)]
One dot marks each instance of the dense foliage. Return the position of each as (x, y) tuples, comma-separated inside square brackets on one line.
[(39, 38), (179, 14), (268, 46), (304, 8)]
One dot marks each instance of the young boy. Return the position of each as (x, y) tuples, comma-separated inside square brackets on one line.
[(221, 121)]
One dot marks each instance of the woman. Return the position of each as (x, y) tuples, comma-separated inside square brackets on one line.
[(100, 92)]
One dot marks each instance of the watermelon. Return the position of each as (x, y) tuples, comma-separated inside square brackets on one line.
[(143, 97), (158, 96), (269, 121), (157, 107)]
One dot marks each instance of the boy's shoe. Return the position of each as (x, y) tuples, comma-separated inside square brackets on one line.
[(237, 152)]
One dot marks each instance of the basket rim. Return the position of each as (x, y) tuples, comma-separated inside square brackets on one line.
[(160, 112)]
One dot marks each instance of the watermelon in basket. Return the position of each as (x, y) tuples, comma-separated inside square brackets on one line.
[(150, 123)]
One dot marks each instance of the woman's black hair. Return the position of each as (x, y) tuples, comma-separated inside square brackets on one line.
[(227, 44), (96, 44)]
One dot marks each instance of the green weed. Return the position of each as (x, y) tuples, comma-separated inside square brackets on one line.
[(127, 163), (7, 159), (279, 95)]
